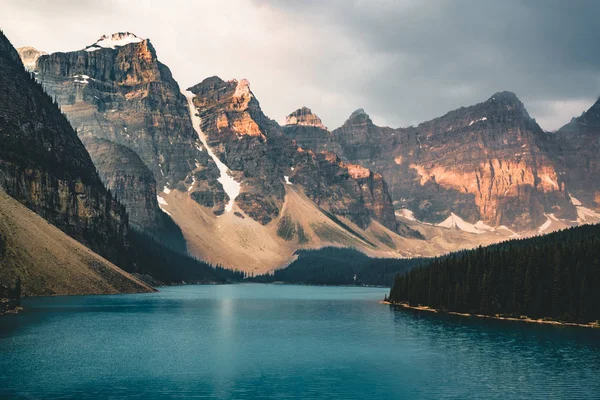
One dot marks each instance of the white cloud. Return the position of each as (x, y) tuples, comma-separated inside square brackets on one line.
[(553, 114)]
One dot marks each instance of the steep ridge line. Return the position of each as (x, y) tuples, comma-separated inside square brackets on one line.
[(230, 185)]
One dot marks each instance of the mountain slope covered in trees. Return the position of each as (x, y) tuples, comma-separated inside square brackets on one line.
[(550, 277), (340, 266)]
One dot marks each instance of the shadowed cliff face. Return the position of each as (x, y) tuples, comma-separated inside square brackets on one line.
[(117, 90), (575, 148), (486, 162), (264, 159), (123, 172), (44, 165)]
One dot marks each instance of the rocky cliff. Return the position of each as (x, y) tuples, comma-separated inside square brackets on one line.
[(44, 165), (485, 163), (307, 130), (263, 159), (123, 172), (575, 148), (116, 89)]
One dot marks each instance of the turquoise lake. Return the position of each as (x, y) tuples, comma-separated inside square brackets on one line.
[(253, 341)]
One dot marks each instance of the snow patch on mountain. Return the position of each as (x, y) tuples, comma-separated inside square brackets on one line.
[(406, 213), (115, 40), (455, 222), (506, 228), (478, 120), (575, 202), (230, 185), (545, 225), (584, 214)]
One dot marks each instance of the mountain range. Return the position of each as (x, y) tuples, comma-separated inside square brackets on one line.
[(204, 171)]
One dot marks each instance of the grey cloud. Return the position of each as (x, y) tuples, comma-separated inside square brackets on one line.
[(439, 55), (402, 61)]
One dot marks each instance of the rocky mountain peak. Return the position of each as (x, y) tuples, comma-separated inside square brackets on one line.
[(503, 102), (305, 117), (358, 116), (505, 96), (591, 116), (29, 55), (118, 39), (242, 94)]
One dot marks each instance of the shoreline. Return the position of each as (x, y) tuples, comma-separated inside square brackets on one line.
[(497, 317)]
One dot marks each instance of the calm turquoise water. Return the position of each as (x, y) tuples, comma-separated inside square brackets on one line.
[(270, 341)]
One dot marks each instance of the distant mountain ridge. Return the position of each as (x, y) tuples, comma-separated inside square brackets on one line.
[(247, 193), (489, 164), (116, 93)]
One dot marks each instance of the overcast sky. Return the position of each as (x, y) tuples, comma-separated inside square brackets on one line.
[(404, 62)]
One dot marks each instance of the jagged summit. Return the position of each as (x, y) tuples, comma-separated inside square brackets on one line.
[(358, 116), (504, 102), (505, 96), (591, 116), (115, 40), (29, 56), (305, 117), (242, 87)]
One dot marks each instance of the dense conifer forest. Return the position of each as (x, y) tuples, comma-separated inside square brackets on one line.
[(556, 276), (339, 266), (170, 266)]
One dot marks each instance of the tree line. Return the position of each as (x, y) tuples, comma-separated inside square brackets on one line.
[(339, 266), (556, 276), (171, 266)]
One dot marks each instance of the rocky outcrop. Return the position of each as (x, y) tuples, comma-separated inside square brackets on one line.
[(349, 190), (575, 148), (117, 89), (304, 117), (44, 165), (29, 56), (306, 129), (245, 140), (123, 173), (484, 163), (263, 159)]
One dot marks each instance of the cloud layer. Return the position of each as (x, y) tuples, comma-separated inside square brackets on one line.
[(402, 61)]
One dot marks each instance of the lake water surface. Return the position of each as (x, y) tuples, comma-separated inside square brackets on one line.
[(277, 341)]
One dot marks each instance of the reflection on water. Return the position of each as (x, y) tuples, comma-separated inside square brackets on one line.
[(273, 341)]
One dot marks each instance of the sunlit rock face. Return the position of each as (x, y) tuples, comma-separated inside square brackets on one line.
[(116, 89), (304, 117), (264, 159), (485, 163), (44, 165), (29, 56), (307, 130)]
